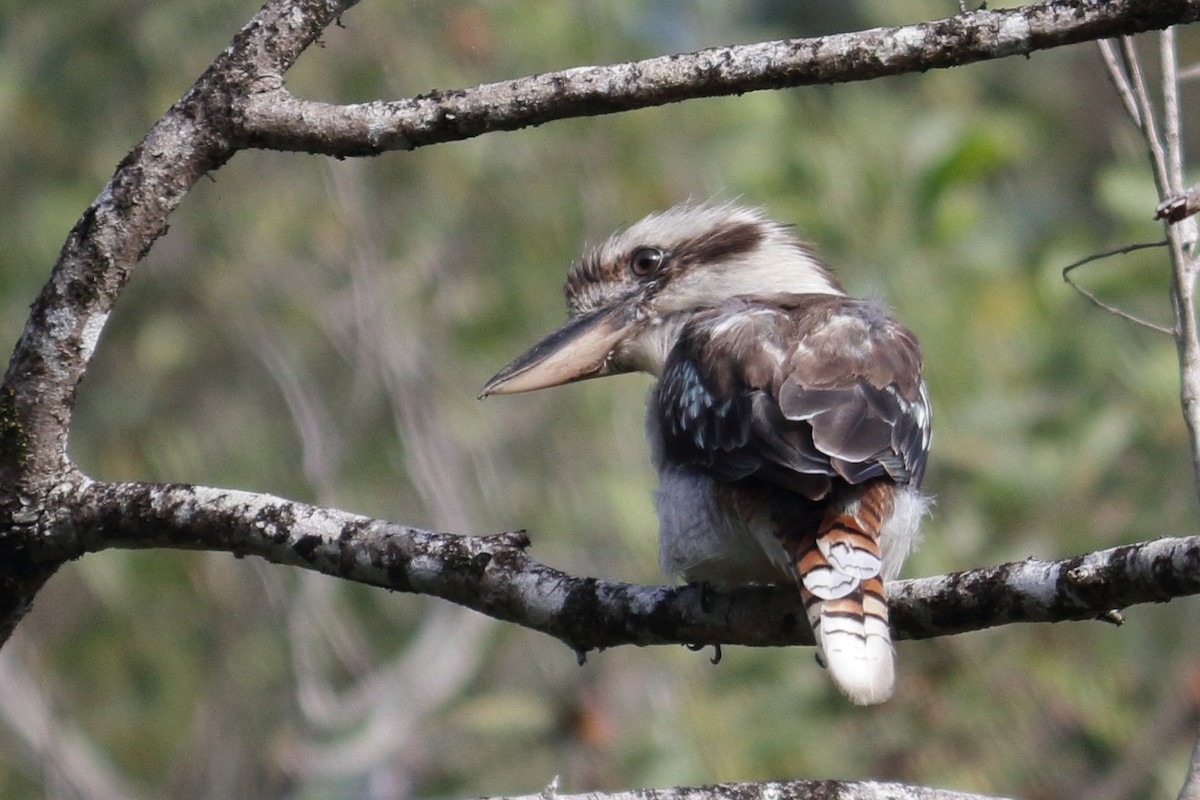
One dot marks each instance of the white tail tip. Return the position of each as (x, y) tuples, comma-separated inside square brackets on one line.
[(862, 666)]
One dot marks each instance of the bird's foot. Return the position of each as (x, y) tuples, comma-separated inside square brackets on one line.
[(696, 648)]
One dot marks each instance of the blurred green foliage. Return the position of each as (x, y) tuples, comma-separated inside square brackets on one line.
[(319, 329)]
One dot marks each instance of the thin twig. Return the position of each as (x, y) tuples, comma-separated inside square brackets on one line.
[(1119, 79), (1137, 82), (1182, 237), (1168, 178), (1171, 116), (1129, 248), (1175, 208)]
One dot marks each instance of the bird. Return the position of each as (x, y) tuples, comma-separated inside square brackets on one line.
[(789, 423)]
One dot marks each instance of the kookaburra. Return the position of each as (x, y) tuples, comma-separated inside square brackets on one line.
[(789, 423)]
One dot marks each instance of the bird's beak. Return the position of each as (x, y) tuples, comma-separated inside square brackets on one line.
[(580, 349)]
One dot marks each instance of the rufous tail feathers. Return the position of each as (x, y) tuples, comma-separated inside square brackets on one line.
[(840, 583)]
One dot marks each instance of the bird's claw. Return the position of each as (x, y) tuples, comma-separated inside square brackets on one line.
[(696, 648)]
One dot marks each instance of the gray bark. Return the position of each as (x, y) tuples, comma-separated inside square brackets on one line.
[(496, 576), (770, 790), (50, 513)]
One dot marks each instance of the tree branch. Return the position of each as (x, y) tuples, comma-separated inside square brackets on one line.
[(50, 513), (194, 137), (240, 102), (1166, 161), (768, 790), (495, 575), (279, 121)]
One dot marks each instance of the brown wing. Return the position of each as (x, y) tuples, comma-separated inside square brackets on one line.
[(801, 392)]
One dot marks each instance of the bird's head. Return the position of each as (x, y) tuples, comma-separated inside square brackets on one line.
[(628, 299)]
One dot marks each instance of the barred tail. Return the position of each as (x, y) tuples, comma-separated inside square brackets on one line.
[(840, 583)]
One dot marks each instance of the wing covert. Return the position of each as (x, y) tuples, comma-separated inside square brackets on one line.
[(798, 393)]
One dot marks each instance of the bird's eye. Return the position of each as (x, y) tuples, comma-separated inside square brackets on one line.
[(645, 261)]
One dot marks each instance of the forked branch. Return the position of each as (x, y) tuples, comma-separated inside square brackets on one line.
[(496, 576), (50, 513)]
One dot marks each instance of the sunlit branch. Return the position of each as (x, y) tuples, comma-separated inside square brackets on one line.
[(1175, 209), (275, 119), (240, 102), (769, 790), (496, 576)]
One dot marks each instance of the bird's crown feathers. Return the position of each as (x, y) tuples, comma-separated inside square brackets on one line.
[(704, 253)]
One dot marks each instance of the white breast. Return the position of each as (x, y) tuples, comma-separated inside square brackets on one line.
[(700, 538)]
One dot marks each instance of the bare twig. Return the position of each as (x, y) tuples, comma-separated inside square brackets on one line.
[(1120, 80), (1090, 295), (1176, 209), (1172, 135), (1166, 161), (1185, 267), (1148, 123), (1183, 256), (1179, 204)]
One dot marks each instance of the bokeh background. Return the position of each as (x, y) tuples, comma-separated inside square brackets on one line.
[(319, 329)]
